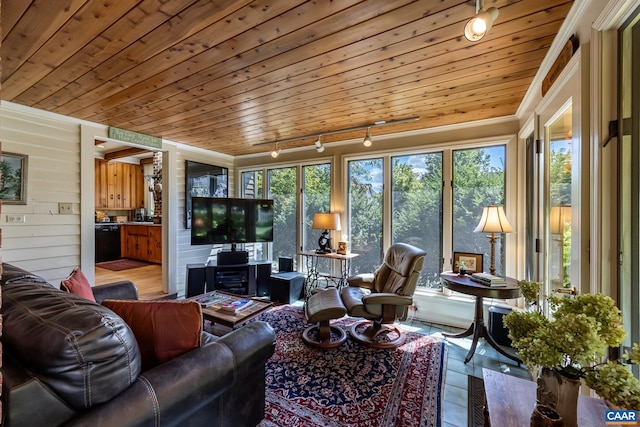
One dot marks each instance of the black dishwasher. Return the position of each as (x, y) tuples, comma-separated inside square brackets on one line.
[(107, 242)]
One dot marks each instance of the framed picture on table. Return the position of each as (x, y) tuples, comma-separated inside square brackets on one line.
[(472, 262)]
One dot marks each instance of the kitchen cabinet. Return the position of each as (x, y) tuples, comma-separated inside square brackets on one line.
[(155, 244), (118, 185), (143, 242)]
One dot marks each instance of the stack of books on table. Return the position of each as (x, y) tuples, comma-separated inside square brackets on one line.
[(234, 306), (210, 298), (488, 279)]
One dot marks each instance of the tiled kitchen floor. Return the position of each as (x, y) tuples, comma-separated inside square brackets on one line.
[(455, 390)]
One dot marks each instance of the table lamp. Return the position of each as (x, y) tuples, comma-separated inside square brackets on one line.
[(493, 221), (326, 222)]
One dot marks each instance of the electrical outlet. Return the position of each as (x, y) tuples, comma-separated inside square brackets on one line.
[(65, 208), (15, 218)]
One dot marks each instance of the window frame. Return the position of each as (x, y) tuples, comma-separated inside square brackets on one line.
[(511, 191), (298, 165)]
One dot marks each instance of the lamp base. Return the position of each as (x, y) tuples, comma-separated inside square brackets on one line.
[(325, 243)]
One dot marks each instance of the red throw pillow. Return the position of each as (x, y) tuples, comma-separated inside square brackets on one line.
[(78, 284), (164, 329)]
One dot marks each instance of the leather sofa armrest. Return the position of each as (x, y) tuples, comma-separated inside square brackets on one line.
[(387, 298), (171, 393), (124, 289)]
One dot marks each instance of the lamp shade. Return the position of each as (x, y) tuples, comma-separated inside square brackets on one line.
[(493, 220), (558, 217), (326, 221)]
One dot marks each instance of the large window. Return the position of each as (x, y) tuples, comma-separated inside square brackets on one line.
[(416, 211), (629, 179), (478, 181), (316, 197), (282, 189), (416, 205), (283, 186), (365, 213)]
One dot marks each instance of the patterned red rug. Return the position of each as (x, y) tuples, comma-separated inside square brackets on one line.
[(122, 264), (351, 385)]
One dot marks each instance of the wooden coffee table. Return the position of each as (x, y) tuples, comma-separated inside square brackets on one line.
[(510, 401), (215, 315)]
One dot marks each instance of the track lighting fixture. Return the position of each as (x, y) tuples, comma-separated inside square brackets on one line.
[(367, 139), (480, 24), (320, 146), (276, 152)]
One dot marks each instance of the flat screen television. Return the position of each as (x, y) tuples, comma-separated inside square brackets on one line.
[(230, 221)]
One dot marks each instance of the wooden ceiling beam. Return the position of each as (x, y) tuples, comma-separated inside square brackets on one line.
[(127, 152)]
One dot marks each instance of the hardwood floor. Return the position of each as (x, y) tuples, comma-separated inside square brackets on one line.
[(147, 279)]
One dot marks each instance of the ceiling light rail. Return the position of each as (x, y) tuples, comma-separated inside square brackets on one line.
[(318, 144)]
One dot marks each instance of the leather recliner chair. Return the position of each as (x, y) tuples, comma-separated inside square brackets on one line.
[(383, 297)]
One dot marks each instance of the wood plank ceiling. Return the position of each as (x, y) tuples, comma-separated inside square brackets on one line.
[(226, 75)]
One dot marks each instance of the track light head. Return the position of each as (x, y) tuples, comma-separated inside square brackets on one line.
[(276, 152), (479, 25), (319, 146), (367, 141)]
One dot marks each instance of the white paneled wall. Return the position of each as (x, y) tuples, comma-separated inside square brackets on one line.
[(46, 243)]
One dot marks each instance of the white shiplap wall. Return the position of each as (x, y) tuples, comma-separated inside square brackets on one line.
[(46, 243)]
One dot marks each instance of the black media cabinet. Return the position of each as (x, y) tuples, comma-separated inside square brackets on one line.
[(241, 279)]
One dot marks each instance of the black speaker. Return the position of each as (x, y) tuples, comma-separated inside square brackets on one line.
[(263, 274), (497, 330), (196, 279), (287, 287), (285, 264), (233, 257)]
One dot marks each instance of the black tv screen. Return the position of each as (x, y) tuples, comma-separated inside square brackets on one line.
[(229, 220)]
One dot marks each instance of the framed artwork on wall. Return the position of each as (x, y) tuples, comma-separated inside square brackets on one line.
[(472, 262), (13, 189), (203, 180)]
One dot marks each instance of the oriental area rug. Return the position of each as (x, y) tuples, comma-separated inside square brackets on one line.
[(351, 385)]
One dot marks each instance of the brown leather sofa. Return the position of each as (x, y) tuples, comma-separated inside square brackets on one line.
[(69, 361)]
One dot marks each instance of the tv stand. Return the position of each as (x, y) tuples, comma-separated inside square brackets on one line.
[(242, 279)]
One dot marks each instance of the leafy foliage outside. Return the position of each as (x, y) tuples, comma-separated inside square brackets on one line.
[(365, 214), (478, 181), (282, 189), (560, 163), (417, 210)]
